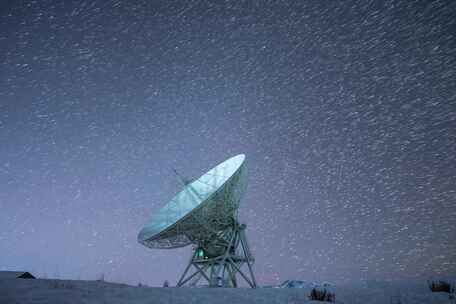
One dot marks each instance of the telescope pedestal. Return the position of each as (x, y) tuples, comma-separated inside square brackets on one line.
[(221, 270)]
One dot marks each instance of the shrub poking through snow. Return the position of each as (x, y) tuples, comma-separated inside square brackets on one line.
[(440, 286), (322, 295)]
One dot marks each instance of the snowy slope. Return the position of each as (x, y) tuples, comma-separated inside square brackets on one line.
[(90, 292)]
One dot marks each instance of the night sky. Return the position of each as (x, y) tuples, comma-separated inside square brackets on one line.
[(346, 113)]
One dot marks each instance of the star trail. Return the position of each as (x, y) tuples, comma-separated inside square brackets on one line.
[(346, 112)]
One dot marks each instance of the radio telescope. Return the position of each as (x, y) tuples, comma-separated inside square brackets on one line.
[(204, 214)]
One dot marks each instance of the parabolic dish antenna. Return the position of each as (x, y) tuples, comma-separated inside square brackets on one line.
[(204, 214)]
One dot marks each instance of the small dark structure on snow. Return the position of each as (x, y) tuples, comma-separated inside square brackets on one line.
[(441, 286), (16, 275)]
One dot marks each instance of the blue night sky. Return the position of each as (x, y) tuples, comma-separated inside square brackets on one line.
[(346, 113)]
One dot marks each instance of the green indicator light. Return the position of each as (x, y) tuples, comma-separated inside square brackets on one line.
[(200, 253)]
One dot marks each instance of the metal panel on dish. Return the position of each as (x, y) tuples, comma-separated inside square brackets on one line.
[(204, 206)]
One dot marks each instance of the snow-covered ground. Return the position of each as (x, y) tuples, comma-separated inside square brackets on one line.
[(66, 291)]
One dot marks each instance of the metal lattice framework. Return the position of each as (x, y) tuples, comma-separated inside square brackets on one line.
[(204, 214), (220, 269)]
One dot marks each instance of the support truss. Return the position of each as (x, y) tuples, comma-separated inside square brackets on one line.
[(221, 270)]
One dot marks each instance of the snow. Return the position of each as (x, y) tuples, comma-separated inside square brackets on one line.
[(69, 291)]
